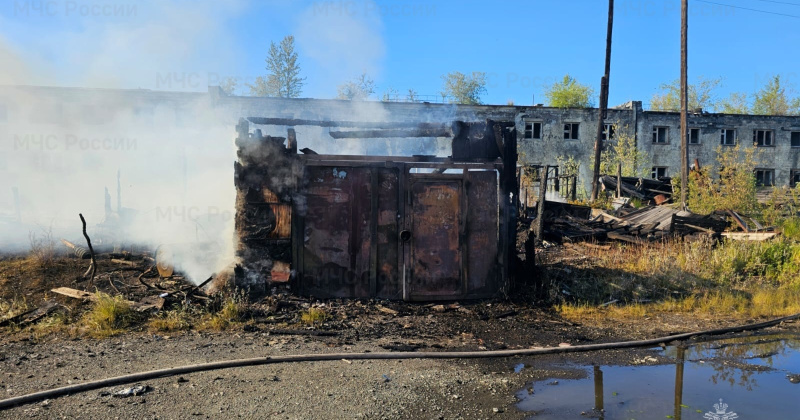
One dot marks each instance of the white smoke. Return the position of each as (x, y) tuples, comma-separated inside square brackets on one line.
[(60, 149)]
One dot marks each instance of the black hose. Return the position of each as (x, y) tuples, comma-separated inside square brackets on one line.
[(160, 373)]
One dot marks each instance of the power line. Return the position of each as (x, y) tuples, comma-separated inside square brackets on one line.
[(781, 2), (747, 8)]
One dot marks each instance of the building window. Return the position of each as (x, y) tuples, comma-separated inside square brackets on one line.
[(795, 138), (533, 130), (727, 137), (694, 136), (660, 134), (659, 172), (763, 138), (571, 131), (794, 177), (608, 128), (765, 177)]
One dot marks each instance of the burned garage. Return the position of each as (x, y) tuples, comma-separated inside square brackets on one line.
[(414, 228)]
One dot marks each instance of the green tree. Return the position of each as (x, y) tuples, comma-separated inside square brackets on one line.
[(701, 95), (734, 188), (283, 78), (736, 103), (464, 89), (358, 89), (622, 150), (568, 93), (772, 99)]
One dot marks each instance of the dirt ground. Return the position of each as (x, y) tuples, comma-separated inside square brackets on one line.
[(407, 389)]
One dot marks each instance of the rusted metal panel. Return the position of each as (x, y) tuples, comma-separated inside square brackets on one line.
[(336, 234), (436, 213), (388, 280), (483, 272), (354, 218)]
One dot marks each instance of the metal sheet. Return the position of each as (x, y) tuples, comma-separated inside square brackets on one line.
[(336, 240), (351, 221), (435, 238), (388, 282), (482, 232)]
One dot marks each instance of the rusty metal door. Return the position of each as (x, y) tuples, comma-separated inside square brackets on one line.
[(435, 258)]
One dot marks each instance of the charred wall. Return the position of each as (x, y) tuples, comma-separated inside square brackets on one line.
[(265, 178)]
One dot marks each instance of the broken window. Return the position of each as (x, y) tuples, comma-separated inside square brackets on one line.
[(765, 177), (694, 136), (533, 130), (660, 134), (763, 138), (608, 128), (658, 172), (727, 137), (571, 131), (795, 138), (794, 177)]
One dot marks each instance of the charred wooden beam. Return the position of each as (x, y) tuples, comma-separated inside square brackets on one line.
[(292, 122), (399, 133)]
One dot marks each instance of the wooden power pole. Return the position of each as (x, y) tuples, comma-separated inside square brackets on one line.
[(598, 143), (684, 104)]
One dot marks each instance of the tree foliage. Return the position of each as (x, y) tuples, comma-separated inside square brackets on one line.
[(283, 78), (622, 150), (464, 89), (736, 103), (772, 99), (358, 89), (569, 93), (701, 95), (733, 188)]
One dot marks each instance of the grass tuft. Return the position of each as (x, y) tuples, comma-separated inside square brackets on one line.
[(108, 317), (177, 319), (314, 316)]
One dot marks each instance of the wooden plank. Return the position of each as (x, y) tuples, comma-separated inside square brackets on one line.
[(81, 294), (74, 293), (750, 236), (624, 238)]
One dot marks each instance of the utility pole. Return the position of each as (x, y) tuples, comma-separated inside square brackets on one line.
[(684, 104), (598, 143)]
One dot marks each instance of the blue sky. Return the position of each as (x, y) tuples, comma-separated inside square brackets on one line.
[(521, 45)]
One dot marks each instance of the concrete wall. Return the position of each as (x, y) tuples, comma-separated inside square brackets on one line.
[(781, 157)]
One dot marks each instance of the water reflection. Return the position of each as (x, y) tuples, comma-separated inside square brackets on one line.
[(751, 374)]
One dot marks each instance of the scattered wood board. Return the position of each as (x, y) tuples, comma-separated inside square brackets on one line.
[(750, 236), (81, 294)]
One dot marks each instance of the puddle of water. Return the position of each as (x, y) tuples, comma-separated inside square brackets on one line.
[(749, 374)]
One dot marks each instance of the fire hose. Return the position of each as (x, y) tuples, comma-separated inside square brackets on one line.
[(226, 364)]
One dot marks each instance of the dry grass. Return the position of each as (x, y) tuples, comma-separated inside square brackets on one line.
[(314, 316), (762, 303), (53, 324), (732, 279), (43, 247), (177, 319), (108, 317), (231, 312), (13, 307)]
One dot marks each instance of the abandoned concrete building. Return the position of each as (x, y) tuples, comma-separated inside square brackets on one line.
[(544, 135)]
